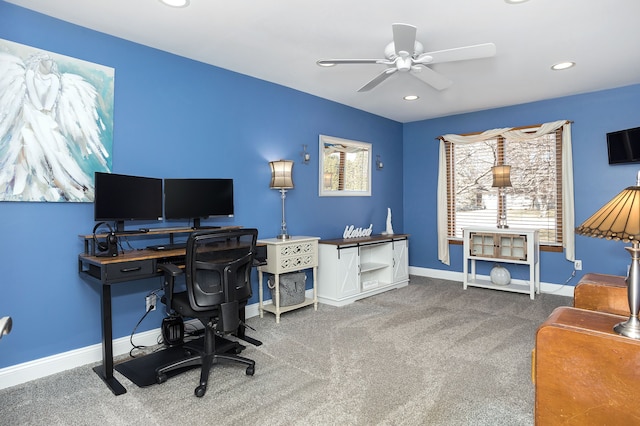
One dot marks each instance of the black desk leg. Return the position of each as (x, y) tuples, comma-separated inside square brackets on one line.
[(105, 371)]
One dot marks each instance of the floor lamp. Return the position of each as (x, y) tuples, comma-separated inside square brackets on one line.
[(619, 220), (281, 179), (501, 180)]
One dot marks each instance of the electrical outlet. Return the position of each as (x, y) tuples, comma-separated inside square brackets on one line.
[(151, 302), (577, 265)]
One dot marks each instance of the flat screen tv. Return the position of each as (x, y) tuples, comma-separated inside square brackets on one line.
[(624, 146), (121, 198), (196, 199)]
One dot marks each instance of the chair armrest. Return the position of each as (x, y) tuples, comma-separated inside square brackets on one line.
[(603, 293), (170, 268), (585, 373), (170, 271)]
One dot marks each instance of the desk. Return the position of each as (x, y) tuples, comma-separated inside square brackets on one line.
[(128, 266)]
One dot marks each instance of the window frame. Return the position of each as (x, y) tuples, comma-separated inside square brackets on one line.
[(555, 246)]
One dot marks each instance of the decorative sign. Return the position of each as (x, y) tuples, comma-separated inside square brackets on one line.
[(351, 232)]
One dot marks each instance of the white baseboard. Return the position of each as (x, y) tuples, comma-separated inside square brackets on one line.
[(27, 371), (558, 289)]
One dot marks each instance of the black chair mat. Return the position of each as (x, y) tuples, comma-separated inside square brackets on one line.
[(142, 371)]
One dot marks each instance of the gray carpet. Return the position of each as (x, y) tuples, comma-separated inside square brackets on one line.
[(428, 354)]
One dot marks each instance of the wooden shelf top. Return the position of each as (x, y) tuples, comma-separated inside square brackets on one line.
[(365, 240)]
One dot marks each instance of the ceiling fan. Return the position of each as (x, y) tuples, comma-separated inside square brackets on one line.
[(406, 55)]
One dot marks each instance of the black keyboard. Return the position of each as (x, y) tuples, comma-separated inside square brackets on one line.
[(161, 247)]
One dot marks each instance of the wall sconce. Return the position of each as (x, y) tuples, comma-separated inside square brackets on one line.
[(305, 155), (5, 326), (501, 180), (281, 178), (379, 163)]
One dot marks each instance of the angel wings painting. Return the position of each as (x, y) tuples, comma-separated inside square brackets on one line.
[(55, 125)]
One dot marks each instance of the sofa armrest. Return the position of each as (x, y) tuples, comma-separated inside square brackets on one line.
[(601, 292), (584, 372)]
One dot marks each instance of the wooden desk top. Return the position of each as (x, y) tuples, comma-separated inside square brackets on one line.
[(132, 255)]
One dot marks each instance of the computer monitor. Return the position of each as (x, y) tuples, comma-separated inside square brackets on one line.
[(121, 198), (195, 199)]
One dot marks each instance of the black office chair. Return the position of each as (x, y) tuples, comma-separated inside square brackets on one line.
[(218, 284)]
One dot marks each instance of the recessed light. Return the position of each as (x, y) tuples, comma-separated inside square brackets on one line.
[(411, 97), (515, 1), (562, 65), (176, 3)]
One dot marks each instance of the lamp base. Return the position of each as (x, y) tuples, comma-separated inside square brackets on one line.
[(283, 237), (629, 328)]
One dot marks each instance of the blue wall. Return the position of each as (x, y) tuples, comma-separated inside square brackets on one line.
[(595, 181), (179, 118), (174, 117)]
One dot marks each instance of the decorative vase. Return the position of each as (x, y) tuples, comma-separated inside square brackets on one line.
[(500, 275), (389, 230)]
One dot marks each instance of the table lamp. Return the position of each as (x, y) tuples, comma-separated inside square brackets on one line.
[(619, 220), (501, 179), (281, 178)]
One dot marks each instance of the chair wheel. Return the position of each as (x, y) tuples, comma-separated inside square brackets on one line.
[(250, 371), (161, 378), (237, 350), (200, 391)]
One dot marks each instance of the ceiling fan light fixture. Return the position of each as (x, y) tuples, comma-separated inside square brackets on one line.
[(411, 98), (326, 64), (563, 65), (175, 3)]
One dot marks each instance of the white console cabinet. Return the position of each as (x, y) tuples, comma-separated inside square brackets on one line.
[(516, 246), (354, 268)]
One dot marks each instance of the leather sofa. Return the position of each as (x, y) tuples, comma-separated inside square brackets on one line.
[(583, 372)]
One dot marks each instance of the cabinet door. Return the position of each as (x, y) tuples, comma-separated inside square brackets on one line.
[(513, 247), (482, 245), (400, 261), (348, 273)]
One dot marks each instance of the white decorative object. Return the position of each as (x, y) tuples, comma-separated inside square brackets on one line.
[(351, 232), (389, 230), (500, 275)]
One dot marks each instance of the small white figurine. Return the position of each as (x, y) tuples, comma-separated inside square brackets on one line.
[(389, 230)]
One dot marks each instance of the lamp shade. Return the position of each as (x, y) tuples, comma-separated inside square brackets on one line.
[(619, 219), (501, 176), (281, 174)]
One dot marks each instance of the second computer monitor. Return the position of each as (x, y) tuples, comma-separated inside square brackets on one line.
[(194, 199)]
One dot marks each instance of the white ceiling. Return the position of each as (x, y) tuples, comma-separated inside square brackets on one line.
[(280, 41)]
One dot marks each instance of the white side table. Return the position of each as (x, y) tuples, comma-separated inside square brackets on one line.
[(290, 255)]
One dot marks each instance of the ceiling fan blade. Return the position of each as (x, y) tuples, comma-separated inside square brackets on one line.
[(432, 78), (477, 51), (331, 62), (378, 79), (404, 38)]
